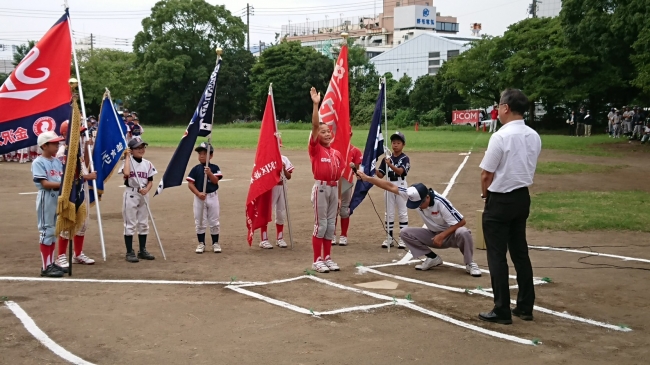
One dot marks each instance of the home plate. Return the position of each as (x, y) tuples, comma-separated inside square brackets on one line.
[(382, 284)]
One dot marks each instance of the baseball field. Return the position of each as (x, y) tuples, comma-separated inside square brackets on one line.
[(589, 234)]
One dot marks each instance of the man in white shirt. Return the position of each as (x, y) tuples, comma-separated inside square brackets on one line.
[(445, 226), (508, 169)]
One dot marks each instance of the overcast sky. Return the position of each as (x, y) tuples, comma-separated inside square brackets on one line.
[(116, 22)]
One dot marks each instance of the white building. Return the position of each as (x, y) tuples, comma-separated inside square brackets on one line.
[(549, 8), (423, 54)]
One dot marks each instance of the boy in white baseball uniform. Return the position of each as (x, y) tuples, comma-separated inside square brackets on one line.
[(399, 165), (206, 203), (280, 207), (138, 180)]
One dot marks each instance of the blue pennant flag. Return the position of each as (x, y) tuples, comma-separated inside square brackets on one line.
[(374, 149), (109, 144), (200, 125)]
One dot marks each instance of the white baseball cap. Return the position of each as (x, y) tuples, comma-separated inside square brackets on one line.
[(416, 193), (47, 137)]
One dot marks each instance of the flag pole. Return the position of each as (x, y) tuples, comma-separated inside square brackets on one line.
[(207, 159), (85, 123), (284, 180), (388, 237), (146, 203)]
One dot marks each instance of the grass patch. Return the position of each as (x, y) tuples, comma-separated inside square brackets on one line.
[(561, 168), (295, 137), (588, 211), (439, 139)]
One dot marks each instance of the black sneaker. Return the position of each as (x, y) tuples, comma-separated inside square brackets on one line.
[(524, 316), (130, 257), (52, 272), (145, 255), (62, 269)]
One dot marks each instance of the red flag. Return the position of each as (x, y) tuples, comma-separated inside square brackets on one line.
[(36, 96), (335, 109), (266, 173)]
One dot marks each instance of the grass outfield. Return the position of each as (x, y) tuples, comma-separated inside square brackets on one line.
[(588, 211), (562, 168), (440, 139)]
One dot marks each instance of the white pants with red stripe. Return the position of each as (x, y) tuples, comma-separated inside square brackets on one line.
[(325, 200)]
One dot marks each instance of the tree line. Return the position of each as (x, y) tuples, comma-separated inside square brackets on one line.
[(595, 54)]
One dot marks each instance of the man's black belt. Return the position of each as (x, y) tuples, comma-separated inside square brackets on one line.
[(397, 178)]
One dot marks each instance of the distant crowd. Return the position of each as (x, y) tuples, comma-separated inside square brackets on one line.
[(631, 123)]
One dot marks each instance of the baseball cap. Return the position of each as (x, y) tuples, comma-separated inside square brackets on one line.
[(399, 135), (204, 146), (47, 137), (416, 193), (136, 142)]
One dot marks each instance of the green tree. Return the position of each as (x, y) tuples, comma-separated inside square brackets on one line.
[(293, 70), (3, 77), (112, 69), (234, 86), (175, 54), (21, 51)]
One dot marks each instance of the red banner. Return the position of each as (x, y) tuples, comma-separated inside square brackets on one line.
[(266, 173), (335, 110), (465, 117)]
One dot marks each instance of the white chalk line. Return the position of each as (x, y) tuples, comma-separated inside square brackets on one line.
[(44, 339), (590, 253), (128, 281), (490, 295), (280, 281), (536, 280), (364, 308)]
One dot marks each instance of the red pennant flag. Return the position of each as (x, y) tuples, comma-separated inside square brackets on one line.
[(266, 173), (36, 96), (335, 109)]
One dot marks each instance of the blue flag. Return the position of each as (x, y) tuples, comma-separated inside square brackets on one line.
[(109, 144), (374, 149), (200, 125)]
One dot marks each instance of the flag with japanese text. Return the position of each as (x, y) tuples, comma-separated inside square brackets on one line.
[(374, 149), (200, 125), (335, 109), (35, 98), (109, 143), (266, 172)]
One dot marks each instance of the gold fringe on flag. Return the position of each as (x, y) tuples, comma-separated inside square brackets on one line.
[(70, 219)]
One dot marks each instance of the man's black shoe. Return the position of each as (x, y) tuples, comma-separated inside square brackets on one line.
[(524, 316), (492, 317), (62, 269), (52, 272), (145, 255), (130, 257)]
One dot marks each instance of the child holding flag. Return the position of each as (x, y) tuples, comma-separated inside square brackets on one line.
[(327, 165), (280, 208), (206, 203), (346, 195)]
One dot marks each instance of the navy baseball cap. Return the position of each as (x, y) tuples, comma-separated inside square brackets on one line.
[(136, 142), (399, 135), (416, 193), (204, 146)]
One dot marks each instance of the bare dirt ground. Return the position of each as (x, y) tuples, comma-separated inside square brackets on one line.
[(119, 323)]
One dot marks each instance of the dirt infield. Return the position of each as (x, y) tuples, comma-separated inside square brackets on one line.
[(149, 323)]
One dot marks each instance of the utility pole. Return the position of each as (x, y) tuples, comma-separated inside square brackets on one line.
[(248, 26), (533, 9), (92, 42), (260, 47)]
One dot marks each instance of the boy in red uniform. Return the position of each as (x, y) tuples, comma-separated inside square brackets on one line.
[(346, 195), (327, 166)]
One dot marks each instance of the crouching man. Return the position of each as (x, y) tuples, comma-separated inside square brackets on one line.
[(444, 225)]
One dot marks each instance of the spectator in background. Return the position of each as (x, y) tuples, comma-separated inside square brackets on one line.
[(580, 123), (494, 114), (610, 122), (627, 121), (637, 132), (617, 124), (588, 121), (571, 122), (646, 134)]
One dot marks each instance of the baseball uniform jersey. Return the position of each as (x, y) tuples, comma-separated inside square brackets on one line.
[(327, 167), (401, 161), (46, 201)]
